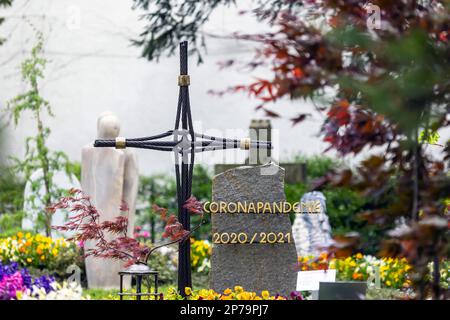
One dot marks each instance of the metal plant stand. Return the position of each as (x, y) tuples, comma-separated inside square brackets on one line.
[(142, 274)]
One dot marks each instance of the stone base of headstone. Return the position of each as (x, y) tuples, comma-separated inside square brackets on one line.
[(257, 266)]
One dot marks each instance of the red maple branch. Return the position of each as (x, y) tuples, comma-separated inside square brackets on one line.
[(85, 222)]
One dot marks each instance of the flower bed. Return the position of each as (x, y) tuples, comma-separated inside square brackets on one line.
[(40, 252), (32, 250), (394, 272), (200, 255), (17, 283), (238, 293)]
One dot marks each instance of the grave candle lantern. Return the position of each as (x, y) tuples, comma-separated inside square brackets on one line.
[(142, 275)]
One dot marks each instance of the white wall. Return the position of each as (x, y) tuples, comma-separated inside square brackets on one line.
[(94, 68)]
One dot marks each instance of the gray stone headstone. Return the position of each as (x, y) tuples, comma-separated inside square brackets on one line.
[(312, 231), (256, 266)]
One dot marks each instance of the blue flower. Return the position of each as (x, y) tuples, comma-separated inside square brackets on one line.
[(44, 282), (26, 277), (8, 269)]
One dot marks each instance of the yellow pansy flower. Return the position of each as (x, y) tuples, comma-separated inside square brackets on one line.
[(243, 296), (265, 294)]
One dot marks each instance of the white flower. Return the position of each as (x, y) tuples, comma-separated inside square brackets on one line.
[(65, 291)]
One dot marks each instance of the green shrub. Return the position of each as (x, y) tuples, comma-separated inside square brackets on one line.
[(11, 191), (317, 165), (161, 190), (10, 223), (165, 266), (343, 204), (11, 202)]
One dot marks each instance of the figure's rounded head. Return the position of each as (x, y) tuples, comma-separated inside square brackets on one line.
[(108, 126)]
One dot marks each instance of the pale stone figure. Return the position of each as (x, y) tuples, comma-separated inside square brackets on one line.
[(312, 231), (109, 176)]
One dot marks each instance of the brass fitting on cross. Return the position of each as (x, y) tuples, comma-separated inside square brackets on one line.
[(245, 143), (184, 80), (121, 143)]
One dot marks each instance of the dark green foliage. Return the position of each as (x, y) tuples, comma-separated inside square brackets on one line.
[(10, 223), (11, 191), (168, 272), (171, 21), (317, 165), (343, 204), (161, 190), (166, 268), (74, 167), (344, 207), (201, 189), (4, 3), (11, 202)]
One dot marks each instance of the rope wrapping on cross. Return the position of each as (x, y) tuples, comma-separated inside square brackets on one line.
[(185, 143), (209, 143)]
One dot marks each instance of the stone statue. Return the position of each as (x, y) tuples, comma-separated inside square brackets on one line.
[(312, 231), (109, 176)]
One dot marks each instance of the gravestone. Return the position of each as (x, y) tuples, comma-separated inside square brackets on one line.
[(312, 231), (33, 205), (261, 129), (254, 266)]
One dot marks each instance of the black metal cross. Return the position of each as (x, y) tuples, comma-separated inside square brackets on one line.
[(185, 144)]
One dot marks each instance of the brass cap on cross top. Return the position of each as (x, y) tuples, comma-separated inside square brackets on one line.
[(184, 80)]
